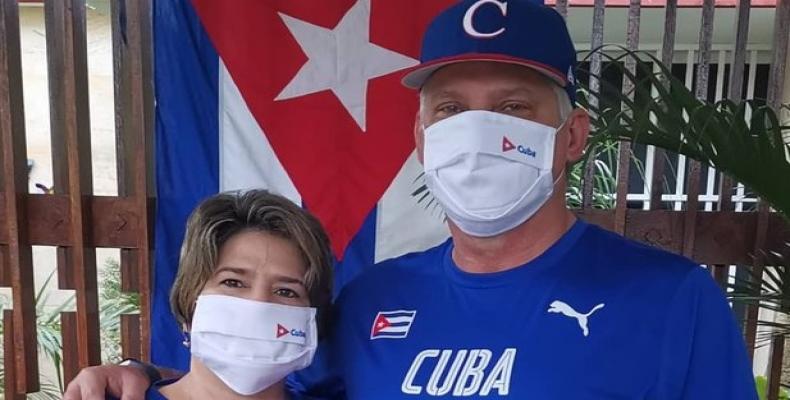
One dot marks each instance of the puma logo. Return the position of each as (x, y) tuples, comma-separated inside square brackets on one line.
[(559, 307)]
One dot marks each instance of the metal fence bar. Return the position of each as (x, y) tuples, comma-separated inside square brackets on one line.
[(735, 88), (624, 154), (727, 186), (776, 78), (703, 61), (667, 54), (681, 163), (710, 185), (17, 254), (596, 41), (752, 312), (781, 38)]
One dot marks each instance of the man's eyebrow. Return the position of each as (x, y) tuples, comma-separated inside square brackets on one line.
[(503, 92), (445, 93), (515, 91)]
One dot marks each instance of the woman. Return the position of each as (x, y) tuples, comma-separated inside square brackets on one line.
[(252, 294)]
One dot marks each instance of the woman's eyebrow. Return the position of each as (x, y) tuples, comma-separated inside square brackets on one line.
[(288, 279), (235, 270)]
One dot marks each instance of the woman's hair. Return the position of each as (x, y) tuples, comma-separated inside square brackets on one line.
[(221, 216)]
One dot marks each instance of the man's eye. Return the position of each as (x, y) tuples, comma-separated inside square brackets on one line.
[(449, 109), (232, 283), (288, 293), (513, 107)]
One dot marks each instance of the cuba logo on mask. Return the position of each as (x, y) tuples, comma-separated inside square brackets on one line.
[(283, 331), (507, 145)]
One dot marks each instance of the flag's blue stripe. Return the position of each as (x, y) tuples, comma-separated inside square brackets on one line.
[(360, 252), (397, 314), (400, 324), (391, 334), (187, 153)]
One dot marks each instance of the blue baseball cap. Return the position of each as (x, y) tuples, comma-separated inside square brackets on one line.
[(518, 32)]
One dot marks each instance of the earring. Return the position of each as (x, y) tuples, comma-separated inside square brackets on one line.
[(186, 342)]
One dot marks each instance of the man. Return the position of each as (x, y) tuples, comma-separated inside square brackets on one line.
[(524, 301)]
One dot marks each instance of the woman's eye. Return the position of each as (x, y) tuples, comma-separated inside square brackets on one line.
[(288, 293), (232, 283)]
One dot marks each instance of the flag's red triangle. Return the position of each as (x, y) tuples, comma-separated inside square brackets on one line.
[(380, 324)]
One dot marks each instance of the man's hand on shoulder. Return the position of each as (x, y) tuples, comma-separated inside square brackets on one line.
[(94, 383)]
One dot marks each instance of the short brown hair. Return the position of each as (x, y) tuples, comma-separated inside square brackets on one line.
[(219, 217)]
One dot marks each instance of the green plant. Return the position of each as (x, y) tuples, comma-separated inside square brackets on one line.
[(745, 140), (603, 154), (113, 302), (49, 341), (762, 388)]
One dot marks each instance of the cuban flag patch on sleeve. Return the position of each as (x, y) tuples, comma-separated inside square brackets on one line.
[(392, 324)]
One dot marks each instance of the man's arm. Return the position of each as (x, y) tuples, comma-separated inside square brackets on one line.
[(703, 352), (124, 382)]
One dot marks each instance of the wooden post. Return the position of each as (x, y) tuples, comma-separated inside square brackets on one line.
[(68, 78), (134, 137), (17, 254)]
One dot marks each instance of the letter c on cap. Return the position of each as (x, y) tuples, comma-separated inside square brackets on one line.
[(469, 16)]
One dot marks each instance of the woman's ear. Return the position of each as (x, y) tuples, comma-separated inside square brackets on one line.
[(185, 328)]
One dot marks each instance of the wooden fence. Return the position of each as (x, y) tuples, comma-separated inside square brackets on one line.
[(72, 218), (77, 222)]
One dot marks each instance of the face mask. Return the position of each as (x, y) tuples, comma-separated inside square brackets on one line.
[(489, 171), (251, 345)]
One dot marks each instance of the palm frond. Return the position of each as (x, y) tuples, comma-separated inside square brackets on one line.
[(745, 140)]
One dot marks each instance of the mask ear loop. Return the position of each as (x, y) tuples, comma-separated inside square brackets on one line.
[(564, 168), (559, 176)]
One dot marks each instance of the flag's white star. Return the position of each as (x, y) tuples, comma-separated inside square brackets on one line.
[(342, 60)]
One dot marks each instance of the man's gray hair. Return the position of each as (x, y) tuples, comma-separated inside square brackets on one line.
[(563, 102)]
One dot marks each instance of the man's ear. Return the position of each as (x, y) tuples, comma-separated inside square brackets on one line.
[(419, 137), (578, 126)]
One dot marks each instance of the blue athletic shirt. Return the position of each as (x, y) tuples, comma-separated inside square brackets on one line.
[(596, 316)]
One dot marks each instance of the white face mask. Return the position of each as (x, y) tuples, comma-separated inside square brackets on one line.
[(251, 345), (489, 171)]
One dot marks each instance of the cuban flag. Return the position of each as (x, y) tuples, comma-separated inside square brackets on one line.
[(392, 324), (301, 97)]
